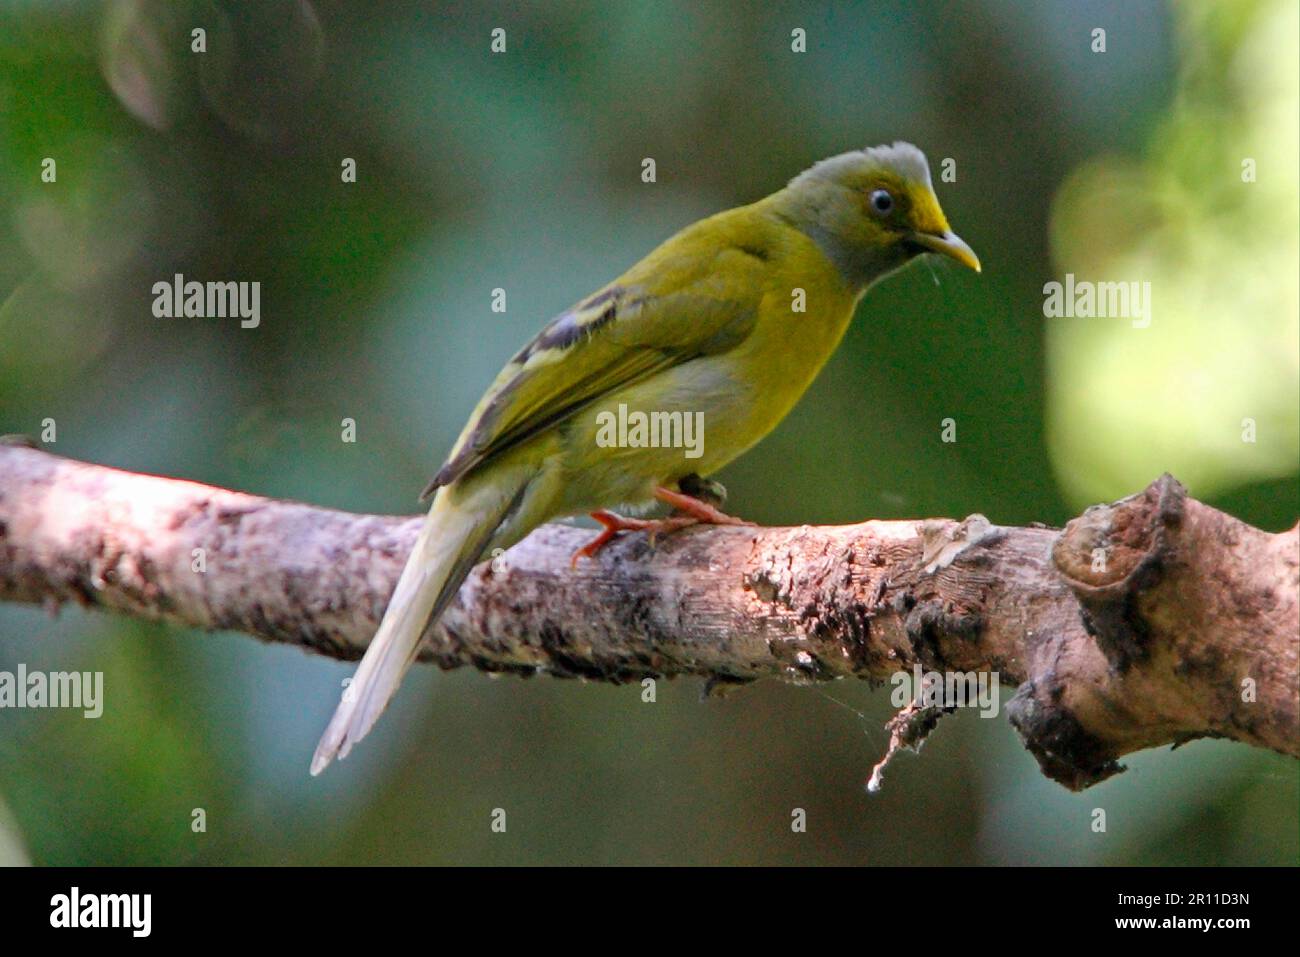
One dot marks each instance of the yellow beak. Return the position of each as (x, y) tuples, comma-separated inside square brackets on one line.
[(950, 245)]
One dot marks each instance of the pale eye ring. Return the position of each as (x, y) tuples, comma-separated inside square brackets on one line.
[(882, 204)]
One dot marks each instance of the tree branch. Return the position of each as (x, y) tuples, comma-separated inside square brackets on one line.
[(1151, 621)]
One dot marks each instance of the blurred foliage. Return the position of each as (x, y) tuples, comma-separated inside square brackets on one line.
[(521, 171), (1210, 216)]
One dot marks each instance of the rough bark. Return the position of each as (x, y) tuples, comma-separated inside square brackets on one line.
[(1150, 621)]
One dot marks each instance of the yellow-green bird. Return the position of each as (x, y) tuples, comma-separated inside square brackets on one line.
[(731, 318)]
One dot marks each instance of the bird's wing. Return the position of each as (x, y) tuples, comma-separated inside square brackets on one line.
[(622, 334)]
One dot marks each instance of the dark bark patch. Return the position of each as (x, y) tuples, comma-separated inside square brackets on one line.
[(1065, 752)]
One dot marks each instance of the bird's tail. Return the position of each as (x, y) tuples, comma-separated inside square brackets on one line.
[(455, 533)]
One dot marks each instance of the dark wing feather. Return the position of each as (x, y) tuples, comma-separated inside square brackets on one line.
[(608, 337)]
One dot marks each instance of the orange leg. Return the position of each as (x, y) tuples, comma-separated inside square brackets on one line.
[(691, 511), (700, 511)]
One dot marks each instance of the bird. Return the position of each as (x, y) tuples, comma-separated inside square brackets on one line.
[(728, 321)]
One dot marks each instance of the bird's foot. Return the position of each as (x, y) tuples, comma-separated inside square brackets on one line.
[(690, 511), (697, 508), (615, 523)]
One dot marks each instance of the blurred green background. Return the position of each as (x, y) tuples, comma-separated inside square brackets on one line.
[(522, 171)]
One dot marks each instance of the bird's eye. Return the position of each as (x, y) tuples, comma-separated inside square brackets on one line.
[(882, 204)]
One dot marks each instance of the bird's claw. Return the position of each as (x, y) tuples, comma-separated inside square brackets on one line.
[(700, 510), (690, 511)]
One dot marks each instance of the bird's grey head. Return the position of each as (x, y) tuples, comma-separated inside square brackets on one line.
[(872, 211)]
